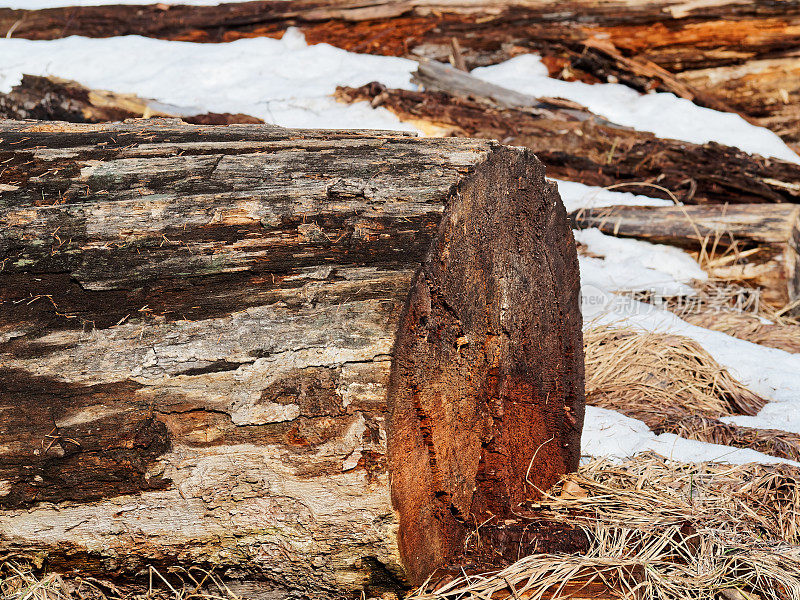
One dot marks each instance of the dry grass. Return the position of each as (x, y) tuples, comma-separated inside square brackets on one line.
[(662, 530), (735, 309), (659, 377), (749, 327), (20, 580), (674, 386)]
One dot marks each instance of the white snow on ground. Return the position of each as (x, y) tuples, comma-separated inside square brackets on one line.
[(620, 276), (634, 265), (281, 81), (577, 195), (289, 83), (664, 114), (610, 434)]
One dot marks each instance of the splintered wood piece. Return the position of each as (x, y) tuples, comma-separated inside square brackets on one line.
[(312, 359)]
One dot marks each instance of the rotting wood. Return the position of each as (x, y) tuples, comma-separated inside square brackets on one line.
[(220, 344), (646, 44), (55, 99), (595, 153), (770, 232), (690, 35)]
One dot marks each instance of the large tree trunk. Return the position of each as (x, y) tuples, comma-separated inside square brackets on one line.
[(318, 359)]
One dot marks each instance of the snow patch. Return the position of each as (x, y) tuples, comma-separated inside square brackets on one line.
[(607, 433), (284, 81), (636, 254), (577, 196), (664, 114)]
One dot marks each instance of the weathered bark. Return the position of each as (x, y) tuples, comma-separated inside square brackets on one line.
[(56, 99), (691, 35), (693, 226), (774, 230), (595, 152), (647, 44), (221, 344)]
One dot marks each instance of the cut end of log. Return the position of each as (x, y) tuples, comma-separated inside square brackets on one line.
[(482, 418)]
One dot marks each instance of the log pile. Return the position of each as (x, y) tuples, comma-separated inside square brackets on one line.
[(722, 54), (317, 360), (743, 227), (576, 145), (336, 363)]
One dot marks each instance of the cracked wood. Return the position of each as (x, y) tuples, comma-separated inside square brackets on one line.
[(209, 335)]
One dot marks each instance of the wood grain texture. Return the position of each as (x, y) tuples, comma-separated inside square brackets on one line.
[(484, 459), (198, 332)]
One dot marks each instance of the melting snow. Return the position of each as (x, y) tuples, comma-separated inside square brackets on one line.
[(284, 81), (664, 114)]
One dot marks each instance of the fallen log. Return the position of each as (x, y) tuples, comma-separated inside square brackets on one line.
[(591, 150), (720, 225), (55, 99), (646, 44), (676, 37), (760, 243), (314, 359)]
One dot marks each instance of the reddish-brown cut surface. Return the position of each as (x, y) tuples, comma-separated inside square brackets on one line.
[(486, 388)]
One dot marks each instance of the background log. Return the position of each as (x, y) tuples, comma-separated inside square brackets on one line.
[(720, 225), (761, 242), (646, 44), (591, 150), (220, 345), (55, 99)]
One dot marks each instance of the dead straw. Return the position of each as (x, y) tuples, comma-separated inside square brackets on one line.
[(652, 376), (661, 530)]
